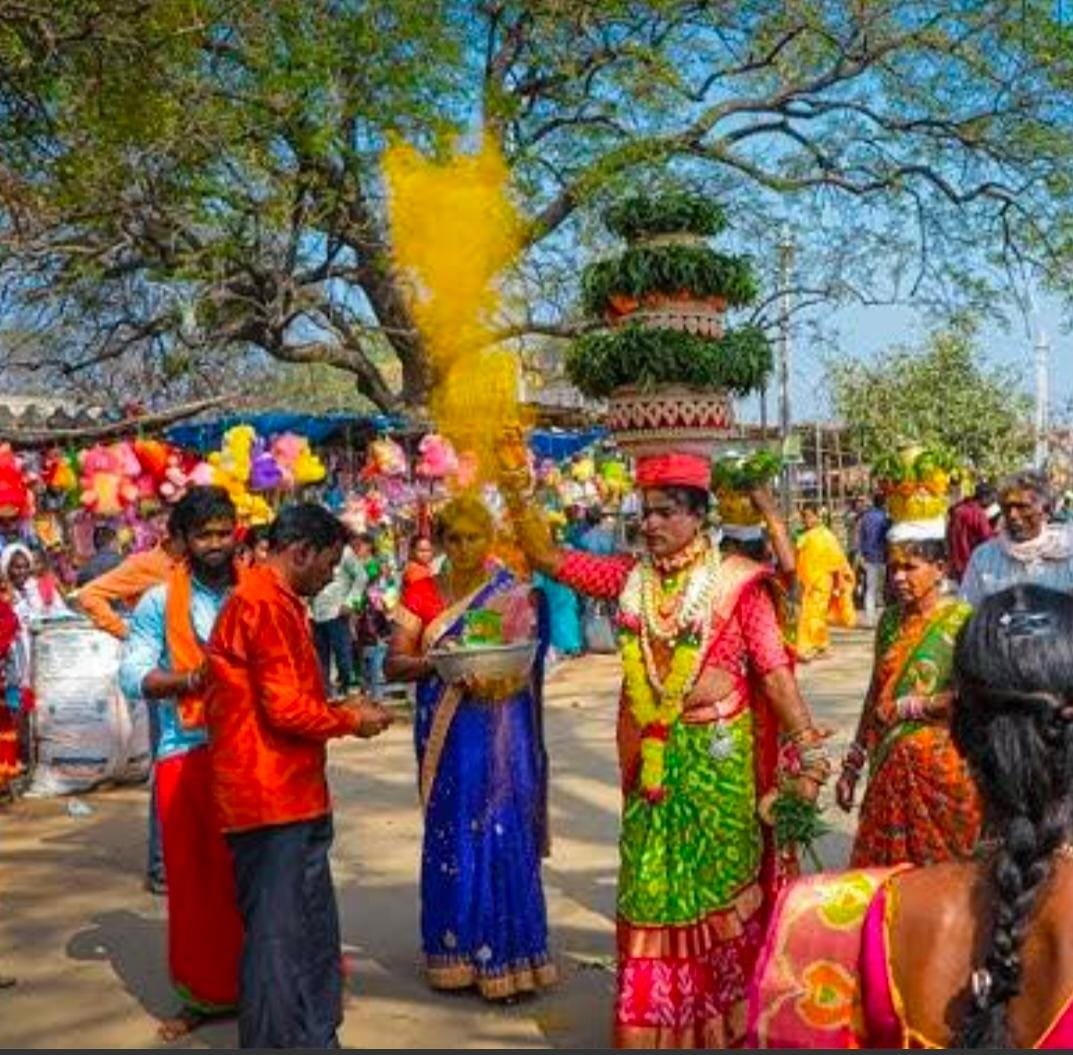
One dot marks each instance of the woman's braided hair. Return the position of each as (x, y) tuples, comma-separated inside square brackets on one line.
[(1013, 722)]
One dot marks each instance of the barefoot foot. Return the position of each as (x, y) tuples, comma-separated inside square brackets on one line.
[(185, 1022)]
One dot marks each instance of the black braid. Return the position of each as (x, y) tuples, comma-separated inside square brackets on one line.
[(1010, 722), (1020, 868)]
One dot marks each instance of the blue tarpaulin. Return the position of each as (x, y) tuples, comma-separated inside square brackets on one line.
[(558, 445), (317, 428), (204, 436)]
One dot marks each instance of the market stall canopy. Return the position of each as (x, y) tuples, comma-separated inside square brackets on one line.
[(317, 428), (559, 445)]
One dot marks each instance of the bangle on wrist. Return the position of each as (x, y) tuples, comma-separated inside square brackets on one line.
[(805, 735), (912, 708), (854, 759)]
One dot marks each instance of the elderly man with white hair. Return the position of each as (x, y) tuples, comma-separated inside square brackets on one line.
[(1028, 547)]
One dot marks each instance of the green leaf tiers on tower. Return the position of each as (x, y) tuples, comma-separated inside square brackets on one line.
[(666, 362)]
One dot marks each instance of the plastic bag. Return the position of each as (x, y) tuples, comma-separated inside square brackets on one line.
[(85, 733)]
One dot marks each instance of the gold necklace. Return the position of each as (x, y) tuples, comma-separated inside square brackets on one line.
[(686, 556), (665, 617)]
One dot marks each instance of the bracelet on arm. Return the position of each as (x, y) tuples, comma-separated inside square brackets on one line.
[(806, 735), (911, 708), (855, 758), (804, 754)]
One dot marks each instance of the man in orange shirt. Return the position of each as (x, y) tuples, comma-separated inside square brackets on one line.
[(269, 721), (125, 585)]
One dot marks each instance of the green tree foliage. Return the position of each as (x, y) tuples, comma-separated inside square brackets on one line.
[(200, 178), (941, 394)]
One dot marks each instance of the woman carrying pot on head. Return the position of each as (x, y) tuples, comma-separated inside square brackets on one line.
[(921, 804), (708, 689)]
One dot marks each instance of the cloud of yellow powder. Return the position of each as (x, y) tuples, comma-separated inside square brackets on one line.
[(454, 230)]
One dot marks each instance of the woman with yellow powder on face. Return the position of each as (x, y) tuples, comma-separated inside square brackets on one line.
[(482, 773), (826, 581)]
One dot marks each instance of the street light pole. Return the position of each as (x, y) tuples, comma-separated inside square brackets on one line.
[(786, 256), (1041, 353), (1042, 356)]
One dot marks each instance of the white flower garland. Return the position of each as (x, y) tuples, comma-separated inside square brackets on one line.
[(693, 616)]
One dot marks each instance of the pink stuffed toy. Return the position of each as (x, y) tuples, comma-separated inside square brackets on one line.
[(203, 475), (129, 469), (176, 480), (437, 458), (101, 481), (286, 449)]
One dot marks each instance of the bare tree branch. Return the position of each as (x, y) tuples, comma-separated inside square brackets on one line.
[(41, 437)]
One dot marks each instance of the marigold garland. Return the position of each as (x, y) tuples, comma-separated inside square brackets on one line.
[(656, 714), (656, 706)]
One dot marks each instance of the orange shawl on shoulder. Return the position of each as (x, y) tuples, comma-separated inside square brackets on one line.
[(186, 651)]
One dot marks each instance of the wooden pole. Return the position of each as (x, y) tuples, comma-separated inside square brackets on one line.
[(819, 464), (840, 462)]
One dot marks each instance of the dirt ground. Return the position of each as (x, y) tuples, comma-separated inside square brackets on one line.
[(87, 943)]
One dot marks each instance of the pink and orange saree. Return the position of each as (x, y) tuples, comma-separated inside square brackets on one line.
[(824, 978)]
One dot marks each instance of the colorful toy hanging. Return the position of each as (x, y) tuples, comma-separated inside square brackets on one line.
[(107, 480), (386, 458), (437, 458), (14, 494)]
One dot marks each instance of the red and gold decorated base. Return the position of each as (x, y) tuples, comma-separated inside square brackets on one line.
[(682, 311), (669, 417), (686, 986)]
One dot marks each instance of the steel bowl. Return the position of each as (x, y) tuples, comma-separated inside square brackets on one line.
[(484, 664)]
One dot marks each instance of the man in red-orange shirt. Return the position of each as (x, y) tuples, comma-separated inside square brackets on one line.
[(968, 527), (269, 721)]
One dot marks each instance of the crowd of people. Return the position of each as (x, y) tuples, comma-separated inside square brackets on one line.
[(253, 649)]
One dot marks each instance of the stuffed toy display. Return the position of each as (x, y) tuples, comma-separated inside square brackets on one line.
[(386, 458), (436, 458), (107, 479)]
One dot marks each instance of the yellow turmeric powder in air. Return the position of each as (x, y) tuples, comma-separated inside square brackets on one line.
[(454, 231)]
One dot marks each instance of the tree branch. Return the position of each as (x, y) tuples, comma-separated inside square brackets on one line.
[(43, 437)]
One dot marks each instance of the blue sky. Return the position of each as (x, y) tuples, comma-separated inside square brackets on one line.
[(866, 331)]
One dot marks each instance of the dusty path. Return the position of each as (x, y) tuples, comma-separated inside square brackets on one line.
[(87, 944)]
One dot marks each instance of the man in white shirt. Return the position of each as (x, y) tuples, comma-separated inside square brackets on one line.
[(332, 608)]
